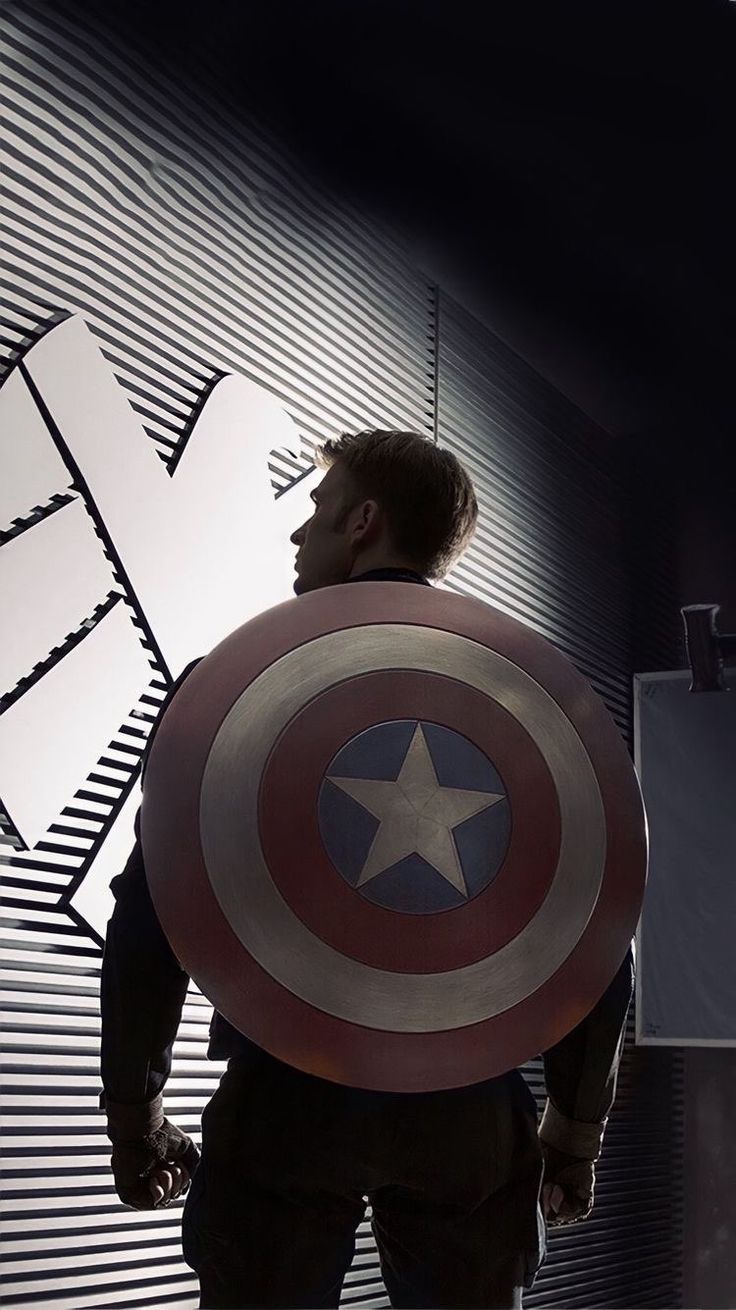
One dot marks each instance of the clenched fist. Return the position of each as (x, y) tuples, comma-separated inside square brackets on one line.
[(152, 1160), (570, 1148), (152, 1171), (568, 1187)]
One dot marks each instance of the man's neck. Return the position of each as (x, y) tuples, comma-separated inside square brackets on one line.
[(378, 572), (372, 563)]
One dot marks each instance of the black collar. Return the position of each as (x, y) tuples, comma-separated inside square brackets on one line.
[(390, 575)]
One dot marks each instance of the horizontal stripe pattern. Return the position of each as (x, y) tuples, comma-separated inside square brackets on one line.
[(551, 550), (193, 246)]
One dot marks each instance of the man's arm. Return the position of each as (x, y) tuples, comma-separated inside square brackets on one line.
[(142, 994), (581, 1073), (143, 986), (141, 997)]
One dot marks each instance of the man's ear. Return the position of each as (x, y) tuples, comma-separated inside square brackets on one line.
[(373, 516)]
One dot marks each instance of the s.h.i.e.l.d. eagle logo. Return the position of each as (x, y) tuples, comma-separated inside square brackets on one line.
[(117, 571)]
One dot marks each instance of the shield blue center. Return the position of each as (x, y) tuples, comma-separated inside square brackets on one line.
[(409, 847)]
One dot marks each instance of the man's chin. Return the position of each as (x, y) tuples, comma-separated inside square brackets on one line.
[(301, 585)]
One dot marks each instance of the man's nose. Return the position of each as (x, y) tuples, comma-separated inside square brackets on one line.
[(297, 537)]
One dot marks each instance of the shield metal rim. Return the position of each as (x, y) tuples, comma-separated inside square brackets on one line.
[(209, 950)]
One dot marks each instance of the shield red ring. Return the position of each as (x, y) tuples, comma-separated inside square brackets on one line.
[(370, 932), (366, 995)]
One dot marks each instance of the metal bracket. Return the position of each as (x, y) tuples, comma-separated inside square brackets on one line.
[(707, 648)]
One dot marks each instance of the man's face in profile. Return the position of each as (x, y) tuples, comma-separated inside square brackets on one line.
[(325, 556)]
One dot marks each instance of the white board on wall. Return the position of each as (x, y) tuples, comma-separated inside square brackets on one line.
[(685, 752)]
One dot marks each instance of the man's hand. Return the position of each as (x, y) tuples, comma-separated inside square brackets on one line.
[(152, 1171), (152, 1160), (570, 1148), (568, 1187)]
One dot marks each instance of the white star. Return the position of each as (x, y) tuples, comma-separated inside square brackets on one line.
[(417, 815)]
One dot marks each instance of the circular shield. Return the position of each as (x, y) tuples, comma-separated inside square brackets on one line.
[(394, 837)]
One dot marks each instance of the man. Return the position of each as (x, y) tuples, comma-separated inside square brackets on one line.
[(454, 1177)]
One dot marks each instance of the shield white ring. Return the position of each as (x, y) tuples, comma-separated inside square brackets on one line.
[(277, 939)]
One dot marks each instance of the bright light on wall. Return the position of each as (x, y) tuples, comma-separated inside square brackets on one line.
[(124, 575)]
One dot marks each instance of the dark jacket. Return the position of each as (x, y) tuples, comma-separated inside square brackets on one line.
[(143, 989)]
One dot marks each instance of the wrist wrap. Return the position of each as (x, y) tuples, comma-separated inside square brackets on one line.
[(126, 1123), (569, 1135)]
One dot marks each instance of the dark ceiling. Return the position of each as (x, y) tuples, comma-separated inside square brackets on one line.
[(571, 165)]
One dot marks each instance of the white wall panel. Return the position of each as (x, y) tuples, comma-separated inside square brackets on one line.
[(32, 469), (93, 686), (52, 579)]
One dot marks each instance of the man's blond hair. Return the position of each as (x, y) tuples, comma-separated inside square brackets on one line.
[(427, 496)]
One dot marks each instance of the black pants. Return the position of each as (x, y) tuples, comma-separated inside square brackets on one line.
[(453, 1179)]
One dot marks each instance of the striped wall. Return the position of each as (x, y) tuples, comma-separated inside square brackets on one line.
[(550, 547), (553, 549), (194, 245)]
